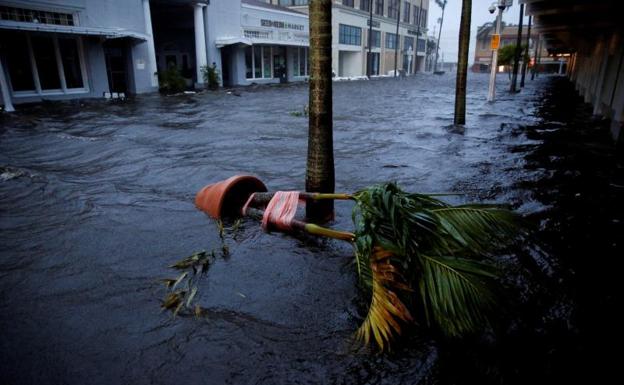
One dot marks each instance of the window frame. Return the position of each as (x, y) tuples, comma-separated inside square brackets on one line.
[(393, 9), (64, 90), (262, 64), (407, 12), (395, 39), (379, 7), (346, 38)]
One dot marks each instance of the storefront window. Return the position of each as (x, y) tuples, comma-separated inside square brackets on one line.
[(266, 61), (71, 62), (300, 61), (257, 55), (45, 57), (20, 71), (40, 62), (258, 62)]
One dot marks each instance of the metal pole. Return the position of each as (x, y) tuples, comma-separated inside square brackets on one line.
[(518, 53), (525, 63), (494, 65), (397, 42), (369, 62), (537, 48)]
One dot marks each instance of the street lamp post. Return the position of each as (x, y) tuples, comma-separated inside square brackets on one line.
[(501, 5)]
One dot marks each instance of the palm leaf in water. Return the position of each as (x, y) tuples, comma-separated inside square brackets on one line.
[(386, 311), (438, 251)]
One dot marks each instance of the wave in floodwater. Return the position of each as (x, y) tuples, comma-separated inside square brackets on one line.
[(96, 201)]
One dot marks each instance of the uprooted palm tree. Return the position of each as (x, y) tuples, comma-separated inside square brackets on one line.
[(416, 254), (418, 257)]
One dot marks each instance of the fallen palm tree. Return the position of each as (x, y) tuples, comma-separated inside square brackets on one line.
[(413, 252)]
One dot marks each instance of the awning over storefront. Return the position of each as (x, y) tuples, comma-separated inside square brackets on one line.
[(222, 42), (109, 33), (225, 41)]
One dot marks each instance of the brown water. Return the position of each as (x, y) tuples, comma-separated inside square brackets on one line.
[(96, 200)]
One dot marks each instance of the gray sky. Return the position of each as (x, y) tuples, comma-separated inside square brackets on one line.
[(452, 15)]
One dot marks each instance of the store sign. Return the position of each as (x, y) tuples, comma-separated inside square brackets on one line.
[(375, 23), (413, 32), (281, 24)]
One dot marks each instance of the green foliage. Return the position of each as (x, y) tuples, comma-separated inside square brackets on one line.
[(442, 256), (507, 54), (182, 290), (211, 76), (301, 113), (171, 81)]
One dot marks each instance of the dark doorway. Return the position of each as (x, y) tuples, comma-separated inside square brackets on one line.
[(116, 53), (226, 63), (279, 63)]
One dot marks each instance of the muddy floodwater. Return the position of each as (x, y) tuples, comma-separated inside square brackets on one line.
[(96, 201)]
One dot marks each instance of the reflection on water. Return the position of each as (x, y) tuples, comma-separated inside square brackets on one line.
[(96, 200)]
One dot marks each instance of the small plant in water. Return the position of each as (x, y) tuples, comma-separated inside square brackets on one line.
[(304, 112), (182, 290)]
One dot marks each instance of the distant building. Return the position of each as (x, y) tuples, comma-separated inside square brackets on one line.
[(509, 35), (350, 29)]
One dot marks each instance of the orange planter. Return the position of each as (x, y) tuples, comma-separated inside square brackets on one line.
[(227, 198)]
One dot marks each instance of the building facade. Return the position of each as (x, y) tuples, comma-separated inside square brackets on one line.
[(63, 49), (350, 29), (60, 49), (509, 36)]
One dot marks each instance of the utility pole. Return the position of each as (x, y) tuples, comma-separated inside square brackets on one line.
[(492, 89), (514, 79), (369, 62), (525, 63), (397, 41)]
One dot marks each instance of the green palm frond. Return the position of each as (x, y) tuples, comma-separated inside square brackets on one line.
[(438, 249), (475, 229), (456, 293)]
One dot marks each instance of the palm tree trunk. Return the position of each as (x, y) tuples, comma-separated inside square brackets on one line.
[(462, 63), (320, 165)]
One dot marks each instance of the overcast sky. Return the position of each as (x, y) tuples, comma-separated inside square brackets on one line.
[(452, 15)]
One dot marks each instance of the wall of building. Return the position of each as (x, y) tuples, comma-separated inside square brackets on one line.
[(597, 69), (223, 19)]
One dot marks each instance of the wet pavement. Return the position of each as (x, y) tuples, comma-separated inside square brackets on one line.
[(96, 201)]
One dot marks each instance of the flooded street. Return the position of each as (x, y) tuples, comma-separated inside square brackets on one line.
[(97, 200)]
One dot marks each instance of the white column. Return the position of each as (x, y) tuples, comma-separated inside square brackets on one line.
[(200, 42), (151, 50), (4, 87)]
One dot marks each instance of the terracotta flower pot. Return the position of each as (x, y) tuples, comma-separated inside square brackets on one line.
[(227, 198)]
